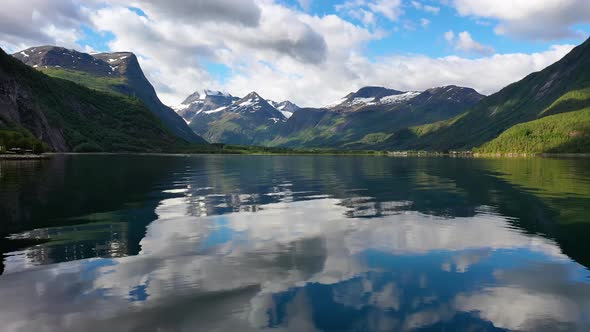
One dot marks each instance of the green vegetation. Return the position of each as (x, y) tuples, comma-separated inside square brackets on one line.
[(573, 100), (559, 88), (88, 120), (565, 132), (369, 128), (21, 139), (218, 148), (104, 84)]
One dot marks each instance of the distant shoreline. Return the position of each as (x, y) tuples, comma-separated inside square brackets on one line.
[(309, 153), (24, 156)]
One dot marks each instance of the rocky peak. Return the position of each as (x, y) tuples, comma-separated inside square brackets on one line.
[(452, 93), (286, 107), (208, 101), (371, 96), (122, 63), (59, 57), (375, 92)]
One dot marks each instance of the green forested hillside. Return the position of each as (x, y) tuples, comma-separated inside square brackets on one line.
[(561, 87), (118, 72), (567, 132), (69, 117)]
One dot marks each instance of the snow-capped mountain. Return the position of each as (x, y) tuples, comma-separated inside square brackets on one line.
[(241, 122), (370, 116), (286, 107), (372, 96), (203, 101)]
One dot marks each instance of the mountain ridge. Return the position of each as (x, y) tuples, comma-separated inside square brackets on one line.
[(529, 99), (70, 117), (119, 72)]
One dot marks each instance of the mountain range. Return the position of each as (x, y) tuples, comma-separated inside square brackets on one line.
[(546, 111)]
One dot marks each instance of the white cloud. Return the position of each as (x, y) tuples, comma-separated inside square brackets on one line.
[(543, 20), (466, 43), (427, 8), (449, 36), (285, 63), (305, 4), (432, 9), (389, 9), (278, 51), (392, 9), (39, 21), (424, 22)]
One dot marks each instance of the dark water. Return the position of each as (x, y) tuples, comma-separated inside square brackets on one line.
[(302, 243)]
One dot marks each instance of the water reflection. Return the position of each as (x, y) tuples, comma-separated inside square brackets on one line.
[(248, 243)]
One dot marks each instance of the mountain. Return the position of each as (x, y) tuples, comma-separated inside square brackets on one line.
[(369, 95), (108, 72), (371, 115), (70, 117), (286, 107), (246, 121), (562, 87), (203, 101)]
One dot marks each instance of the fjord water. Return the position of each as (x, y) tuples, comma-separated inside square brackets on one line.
[(301, 243)]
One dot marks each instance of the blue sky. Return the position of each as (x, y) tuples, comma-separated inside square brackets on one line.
[(309, 51)]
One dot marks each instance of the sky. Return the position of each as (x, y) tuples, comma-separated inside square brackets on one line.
[(312, 52)]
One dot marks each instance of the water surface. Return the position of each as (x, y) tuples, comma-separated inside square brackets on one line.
[(299, 243)]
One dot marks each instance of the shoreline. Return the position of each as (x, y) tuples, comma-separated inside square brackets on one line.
[(24, 157), (391, 154), (307, 153)]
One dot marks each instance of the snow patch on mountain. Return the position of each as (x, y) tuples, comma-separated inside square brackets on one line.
[(394, 99), (286, 114), (215, 110)]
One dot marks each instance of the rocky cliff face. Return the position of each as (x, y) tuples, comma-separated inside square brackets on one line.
[(18, 107)]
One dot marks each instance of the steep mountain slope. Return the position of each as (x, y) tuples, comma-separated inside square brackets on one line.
[(69, 117), (247, 121), (371, 115), (203, 101), (115, 72), (559, 88)]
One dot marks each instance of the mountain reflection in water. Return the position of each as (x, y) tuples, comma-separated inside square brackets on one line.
[(302, 243)]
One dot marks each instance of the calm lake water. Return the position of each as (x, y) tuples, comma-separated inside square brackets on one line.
[(299, 243)]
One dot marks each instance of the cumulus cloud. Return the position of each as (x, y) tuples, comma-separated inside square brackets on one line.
[(305, 4), (39, 21), (173, 52), (245, 12), (542, 20), (279, 51), (449, 36), (389, 9), (427, 8), (467, 44)]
